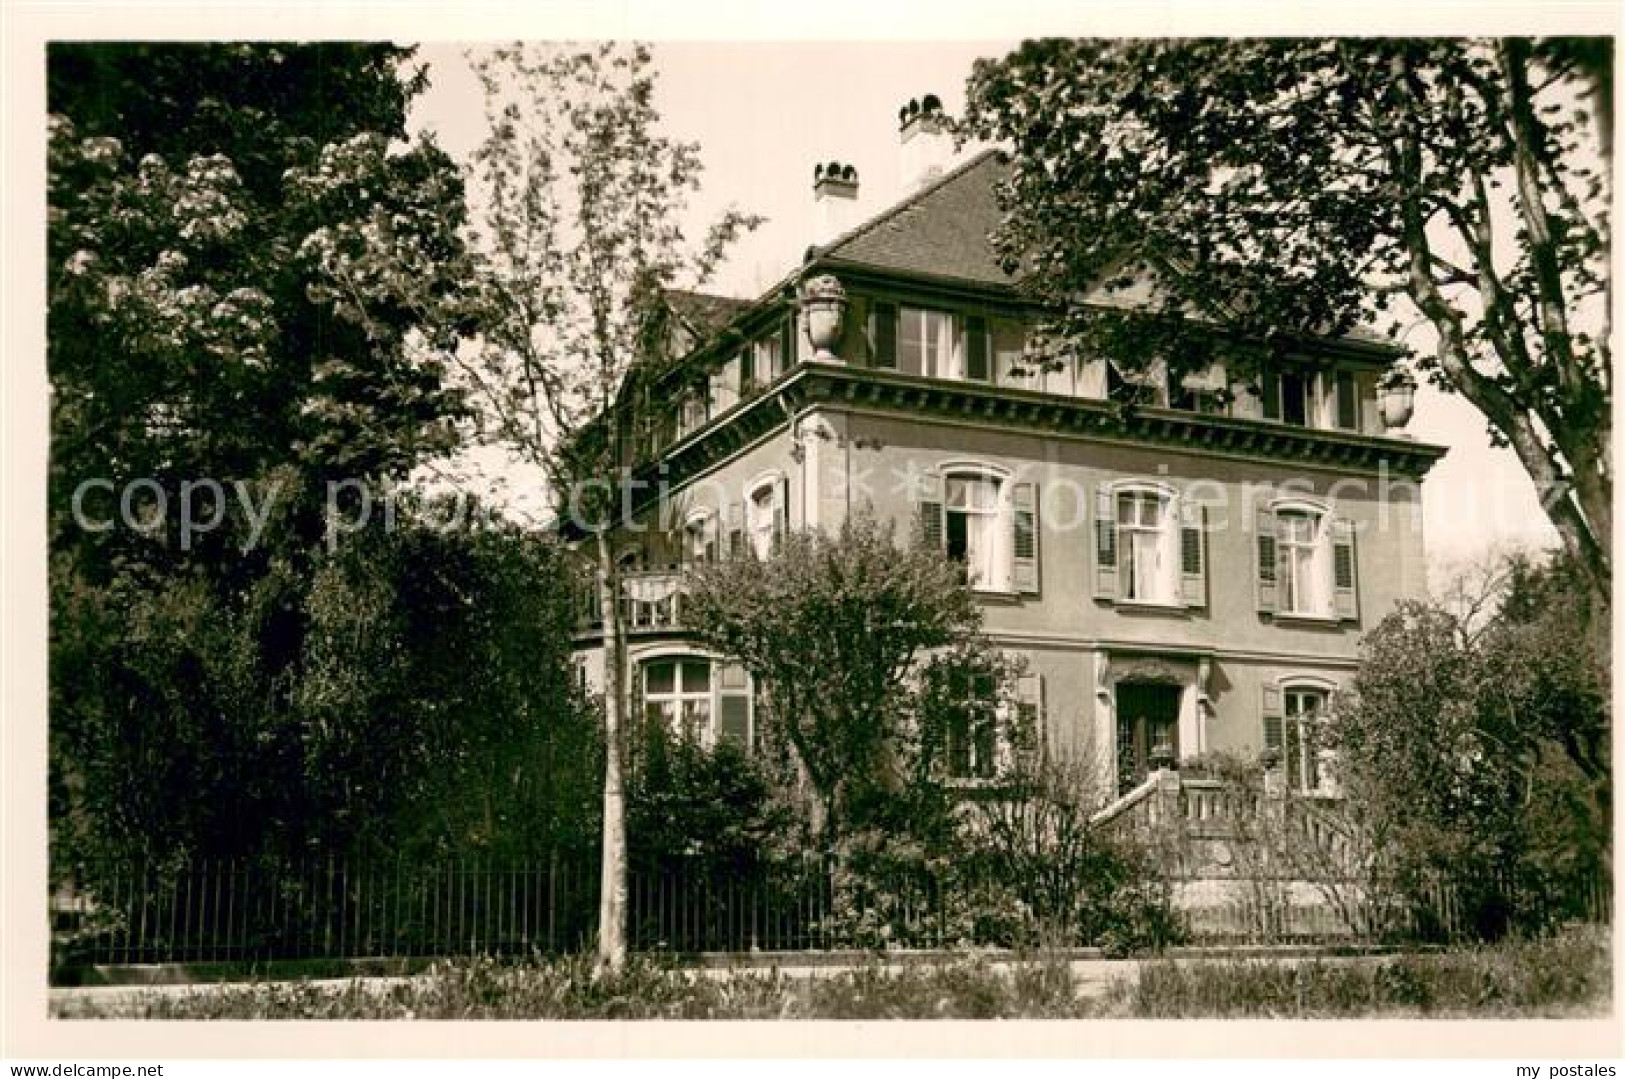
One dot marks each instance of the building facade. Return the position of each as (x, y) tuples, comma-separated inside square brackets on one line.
[(1186, 576)]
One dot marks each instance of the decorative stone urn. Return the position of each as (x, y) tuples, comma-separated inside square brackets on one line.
[(823, 315), (1396, 399), (1162, 756)]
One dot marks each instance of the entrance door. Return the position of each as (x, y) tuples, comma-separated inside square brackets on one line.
[(1147, 717)]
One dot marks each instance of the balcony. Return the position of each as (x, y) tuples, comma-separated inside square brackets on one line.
[(651, 602)]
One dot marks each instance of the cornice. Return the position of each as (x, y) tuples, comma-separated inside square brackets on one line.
[(1004, 408), (1014, 409)]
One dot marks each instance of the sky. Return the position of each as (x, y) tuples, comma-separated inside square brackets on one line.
[(764, 113)]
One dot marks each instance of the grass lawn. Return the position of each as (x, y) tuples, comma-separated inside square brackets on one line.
[(1561, 977)]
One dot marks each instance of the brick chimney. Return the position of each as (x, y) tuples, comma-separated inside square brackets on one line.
[(927, 145), (835, 197)]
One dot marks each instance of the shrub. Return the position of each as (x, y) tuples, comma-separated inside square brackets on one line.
[(1545, 977)]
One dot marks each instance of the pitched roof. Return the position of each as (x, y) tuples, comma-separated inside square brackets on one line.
[(704, 313), (942, 230)]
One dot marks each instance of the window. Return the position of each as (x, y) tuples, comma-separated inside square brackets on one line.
[(1150, 546), (698, 698), (725, 387), (986, 523), (692, 412), (1295, 715), (926, 343), (764, 520), (677, 693), (1145, 543), (700, 538), (971, 519), (771, 356), (1322, 399), (978, 350), (1301, 535), (1348, 401), (1305, 709), (1306, 564), (1198, 391), (970, 740)]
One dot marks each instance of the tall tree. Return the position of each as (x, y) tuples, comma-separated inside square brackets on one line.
[(579, 235), (848, 633), (231, 231), (1290, 187)]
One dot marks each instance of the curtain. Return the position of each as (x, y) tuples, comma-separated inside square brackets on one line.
[(987, 530)]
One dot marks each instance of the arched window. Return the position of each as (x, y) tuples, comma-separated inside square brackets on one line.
[(1296, 712), (1306, 564), (765, 514), (975, 514), (700, 537), (1150, 545)]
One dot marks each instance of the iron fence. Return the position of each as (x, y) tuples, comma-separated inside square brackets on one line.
[(222, 911)]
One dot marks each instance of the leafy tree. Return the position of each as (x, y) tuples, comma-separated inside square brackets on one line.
[(249, 274), (231, 228), (414, 722), (1285, 188), (834, 627), (578, 238), (1454, 758)]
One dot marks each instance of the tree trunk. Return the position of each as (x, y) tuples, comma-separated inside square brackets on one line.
[(613, 872)]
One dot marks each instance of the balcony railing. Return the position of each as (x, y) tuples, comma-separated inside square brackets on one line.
[(651, 601)]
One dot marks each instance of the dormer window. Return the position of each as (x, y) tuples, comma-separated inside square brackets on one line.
[(1306, 398), (926, 343)]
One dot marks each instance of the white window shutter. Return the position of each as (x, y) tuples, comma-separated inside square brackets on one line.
[(1193, 553), (1024, 538), (1105, 544), (1267, 567), (1345, 580)]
